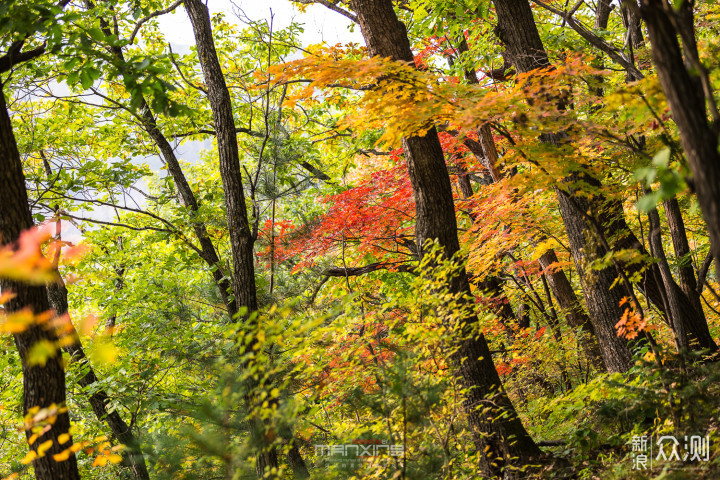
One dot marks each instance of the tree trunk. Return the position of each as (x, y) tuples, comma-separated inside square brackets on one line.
[(517, 30), (686, 273), (571, 308), (43, 384), (187, 198), (623, 238), (241, 239), (602, 300), (631, 22), (602, 13), (671, 298), (699, 138), (500, 440), (558, 281), (133, 457), (296, 462)]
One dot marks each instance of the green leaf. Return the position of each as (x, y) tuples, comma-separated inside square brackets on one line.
[(662, 158), (648, 202)]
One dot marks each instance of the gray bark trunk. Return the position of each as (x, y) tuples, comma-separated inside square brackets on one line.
[(497, 439), (698, 136), (517, 30)]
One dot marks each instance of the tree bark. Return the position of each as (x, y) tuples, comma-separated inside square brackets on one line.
[(517, 30), (571, 308), (631, 22), (691, 311), (43, 384), (241, 238), (501, 441), (686, 273), (558, 281), (602, 300), (698, 136), (623, 238), (672, 301), (296, 462), (602, 13)]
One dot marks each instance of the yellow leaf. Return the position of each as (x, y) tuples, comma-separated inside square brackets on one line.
[(100, 461), (62, 456), (41, 351), (44, 447), (104, 352), (6, 297), (63, 438), (115, 458), (17, 322), (29, 457)]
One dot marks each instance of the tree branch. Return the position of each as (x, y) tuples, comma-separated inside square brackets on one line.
[(14, 56), (597, 42), (332, 6), (140, 23), (204, 131), (355, 271)]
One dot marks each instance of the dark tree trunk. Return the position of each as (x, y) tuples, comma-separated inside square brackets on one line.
[(44, 385), (686, 273), (499, 440), (698, 136), (622, 238), (296, 462), (187, 198), (133, 457), (693, 317), (631, 22), (602, 300), (602, 13), (241, 238), (517, 30), (186, 195), (571, 308), (558, 281), (672, 302)]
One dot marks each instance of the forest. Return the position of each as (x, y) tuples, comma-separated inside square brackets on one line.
[(482, 241)]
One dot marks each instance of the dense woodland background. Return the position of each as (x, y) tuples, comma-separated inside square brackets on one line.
[(486, 237)]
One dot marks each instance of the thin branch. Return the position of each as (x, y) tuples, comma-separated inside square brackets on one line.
[(204, 131), (332, 6), (356, 271), (15, 56), (142, 21), (702, 274), (182, 75), (594, 40)]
